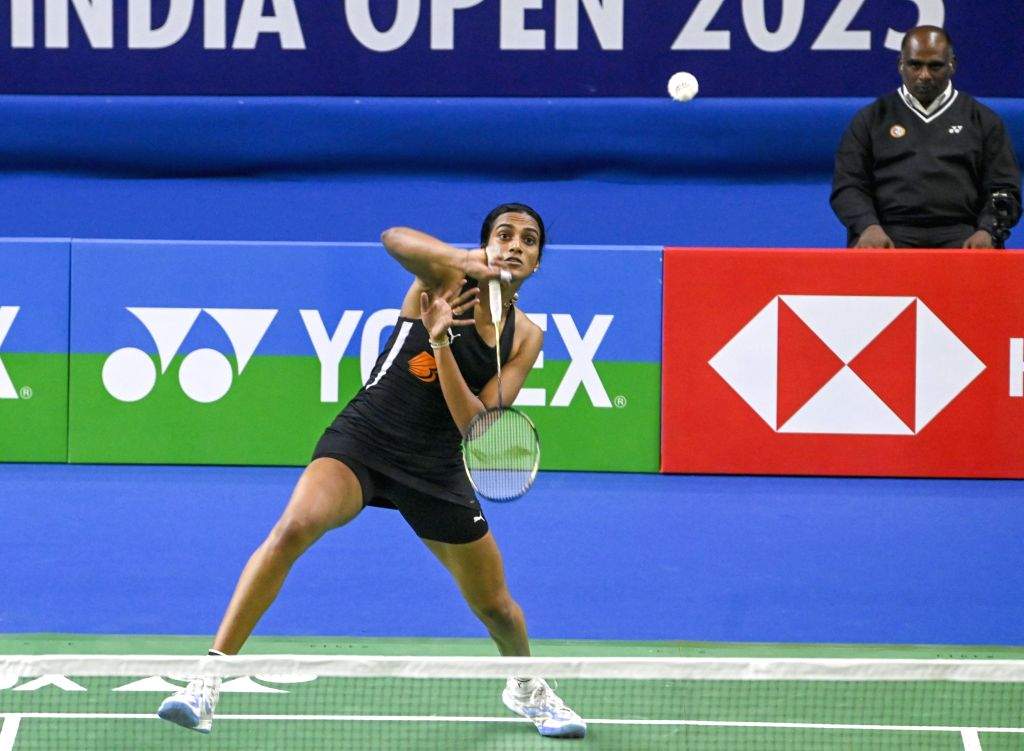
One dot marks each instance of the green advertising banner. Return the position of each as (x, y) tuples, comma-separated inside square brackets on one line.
[(221, 353), (34, 350)]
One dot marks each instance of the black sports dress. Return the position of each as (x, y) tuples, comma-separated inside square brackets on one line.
[(399, 425)]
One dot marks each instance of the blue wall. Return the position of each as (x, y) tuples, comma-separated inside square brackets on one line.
[(634, 171)]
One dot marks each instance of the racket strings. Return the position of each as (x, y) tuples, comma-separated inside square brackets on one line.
[(502, 454), (501, 448)]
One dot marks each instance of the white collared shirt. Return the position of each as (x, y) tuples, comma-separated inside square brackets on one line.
[(933, 110)]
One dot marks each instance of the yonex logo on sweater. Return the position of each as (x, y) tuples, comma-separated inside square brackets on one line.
[(955, 129), (7, 315), (835, 364), (205, 375)]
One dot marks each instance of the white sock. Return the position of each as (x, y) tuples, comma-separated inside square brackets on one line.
[(523, 687)]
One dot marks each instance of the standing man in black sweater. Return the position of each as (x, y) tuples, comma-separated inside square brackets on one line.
[(918, 167)]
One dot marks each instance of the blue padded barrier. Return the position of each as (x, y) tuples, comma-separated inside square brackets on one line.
[(736, 172), (332, 208), (547, 138)]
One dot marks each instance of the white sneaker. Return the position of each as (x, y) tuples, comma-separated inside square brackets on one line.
[(192, 706), (537, 701)]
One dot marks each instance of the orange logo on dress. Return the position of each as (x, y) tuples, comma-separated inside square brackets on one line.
[(897, 131), (423, 367)]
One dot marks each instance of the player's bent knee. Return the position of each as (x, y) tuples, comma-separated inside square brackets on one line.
[(291, 537), (500, 611)]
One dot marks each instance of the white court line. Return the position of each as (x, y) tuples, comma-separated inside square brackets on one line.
[(440, 718), (8, 732), (970, 738)]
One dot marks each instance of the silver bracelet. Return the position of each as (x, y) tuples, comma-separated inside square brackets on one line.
[(440, 345)]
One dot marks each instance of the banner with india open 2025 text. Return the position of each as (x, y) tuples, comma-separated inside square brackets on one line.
[(492, 48)]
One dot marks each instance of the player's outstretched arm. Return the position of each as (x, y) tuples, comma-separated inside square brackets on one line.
[(435, 263)]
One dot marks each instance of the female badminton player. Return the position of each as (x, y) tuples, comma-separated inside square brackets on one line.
[(397, 444)]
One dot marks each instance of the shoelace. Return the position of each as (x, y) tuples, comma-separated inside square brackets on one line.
[(544, 696), (201, 688)]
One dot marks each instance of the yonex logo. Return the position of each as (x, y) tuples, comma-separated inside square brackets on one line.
[(846, 364), (7, 315), (581, 348), (205, 374), (955, 129)]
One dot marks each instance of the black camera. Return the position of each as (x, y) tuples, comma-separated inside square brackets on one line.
[(1004, 209)]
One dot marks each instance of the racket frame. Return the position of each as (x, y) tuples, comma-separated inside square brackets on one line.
[(494, 301), (482, 415)]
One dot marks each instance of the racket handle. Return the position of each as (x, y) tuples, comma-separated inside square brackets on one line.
[(494, 293)]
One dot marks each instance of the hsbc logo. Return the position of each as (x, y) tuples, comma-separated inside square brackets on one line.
[(7, 315), (205, 375), (835, 364)]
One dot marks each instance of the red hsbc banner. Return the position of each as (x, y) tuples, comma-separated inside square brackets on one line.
[(843, 362)]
